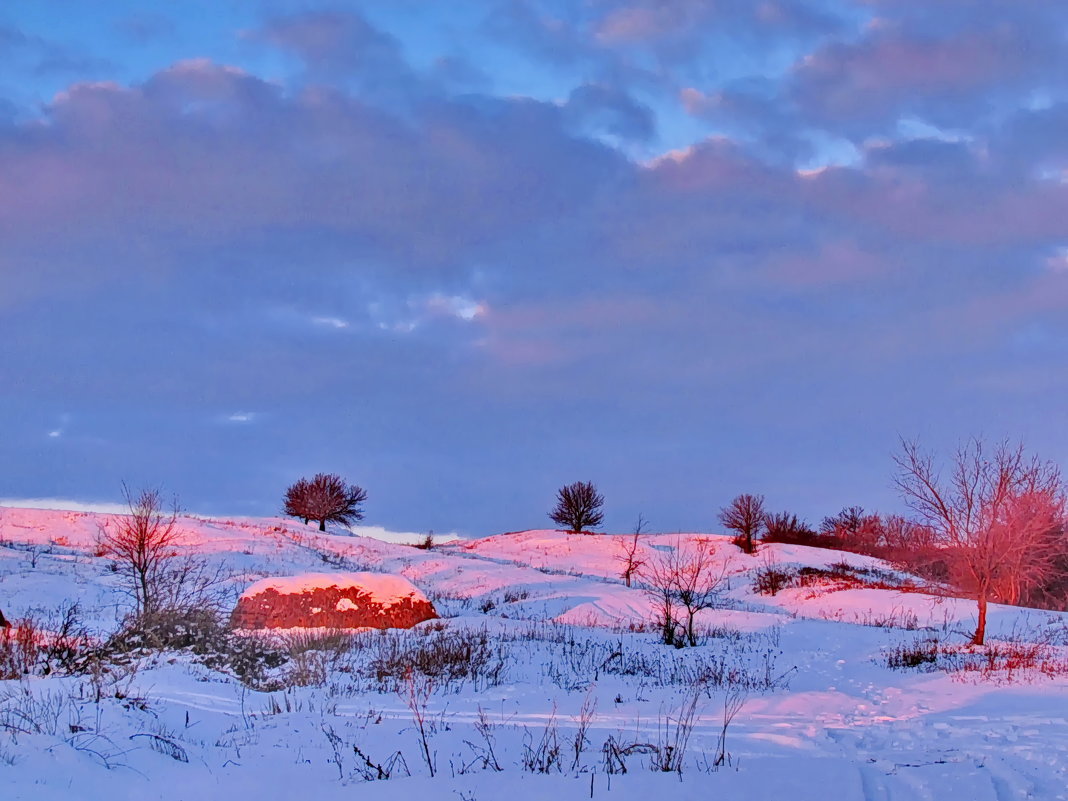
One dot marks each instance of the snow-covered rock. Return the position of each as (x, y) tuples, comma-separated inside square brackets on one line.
[(332, 600)]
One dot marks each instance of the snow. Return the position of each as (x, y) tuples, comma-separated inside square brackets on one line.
[(382, 588), (830, 721)]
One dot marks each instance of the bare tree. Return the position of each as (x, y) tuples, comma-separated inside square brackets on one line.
[(141, 542), (629, 554), (993, 515), (660, 579), (296, 500), (744, 516), (685, 578), (699, 578), (327, 499), (578, 507)]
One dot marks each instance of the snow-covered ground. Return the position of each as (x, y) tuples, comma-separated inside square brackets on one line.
[(563, 684)]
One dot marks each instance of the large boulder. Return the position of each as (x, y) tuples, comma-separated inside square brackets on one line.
[(332, 600)]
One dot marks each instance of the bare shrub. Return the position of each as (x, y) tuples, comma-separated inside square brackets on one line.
[(686, 578), (578, 507), (770, 578), (365, 768), (582, 726), (416, 694), (660, 582), (615, 754), (915, 654), (141, 542), (847, 523), (43, 643), (844, 576), (789, 529), (204, 634), (24, 710), (673, 734), (486, 752), (629, 558), (997, 516), (544, 756), (1009, 661), (19, 649), (327, 498), (999, 661), (733, 701), (744, 516), (314, 655), (449, 657)]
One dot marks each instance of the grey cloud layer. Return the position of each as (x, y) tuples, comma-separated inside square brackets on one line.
[(443, 292)]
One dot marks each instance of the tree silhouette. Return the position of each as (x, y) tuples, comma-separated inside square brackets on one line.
[(745, 517), (578, 507), (326, 498)]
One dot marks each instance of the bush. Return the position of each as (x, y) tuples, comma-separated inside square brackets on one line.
[(203, 633), (446, 656), (789, 529), (916, 654), (1001, 661), (198, 630), (769, 580), (44, 643), (425, 544)]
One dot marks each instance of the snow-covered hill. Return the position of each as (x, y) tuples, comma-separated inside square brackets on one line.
[(544, 678)]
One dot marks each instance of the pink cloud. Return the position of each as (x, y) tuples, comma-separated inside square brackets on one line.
[(892, 69)]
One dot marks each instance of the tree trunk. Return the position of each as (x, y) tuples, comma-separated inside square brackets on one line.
[(143, 579), (322, 525), (668, 632), (980, 629)]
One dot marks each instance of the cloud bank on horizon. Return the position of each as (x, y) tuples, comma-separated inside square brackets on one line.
[(465, 253)]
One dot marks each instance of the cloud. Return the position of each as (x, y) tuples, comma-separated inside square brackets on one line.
[(343, 48), (458, 306), (212, 152), (909, 64), (611, 111), (331, 322), (516, 289)]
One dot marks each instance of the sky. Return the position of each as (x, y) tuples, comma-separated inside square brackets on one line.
[(463, 253)]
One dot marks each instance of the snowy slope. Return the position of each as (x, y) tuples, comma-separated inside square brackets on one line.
[(563, 647)]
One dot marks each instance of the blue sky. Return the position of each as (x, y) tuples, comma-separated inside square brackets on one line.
[(463, 253)]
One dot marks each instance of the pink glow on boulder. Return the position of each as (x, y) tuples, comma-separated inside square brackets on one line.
[(332, 600)]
